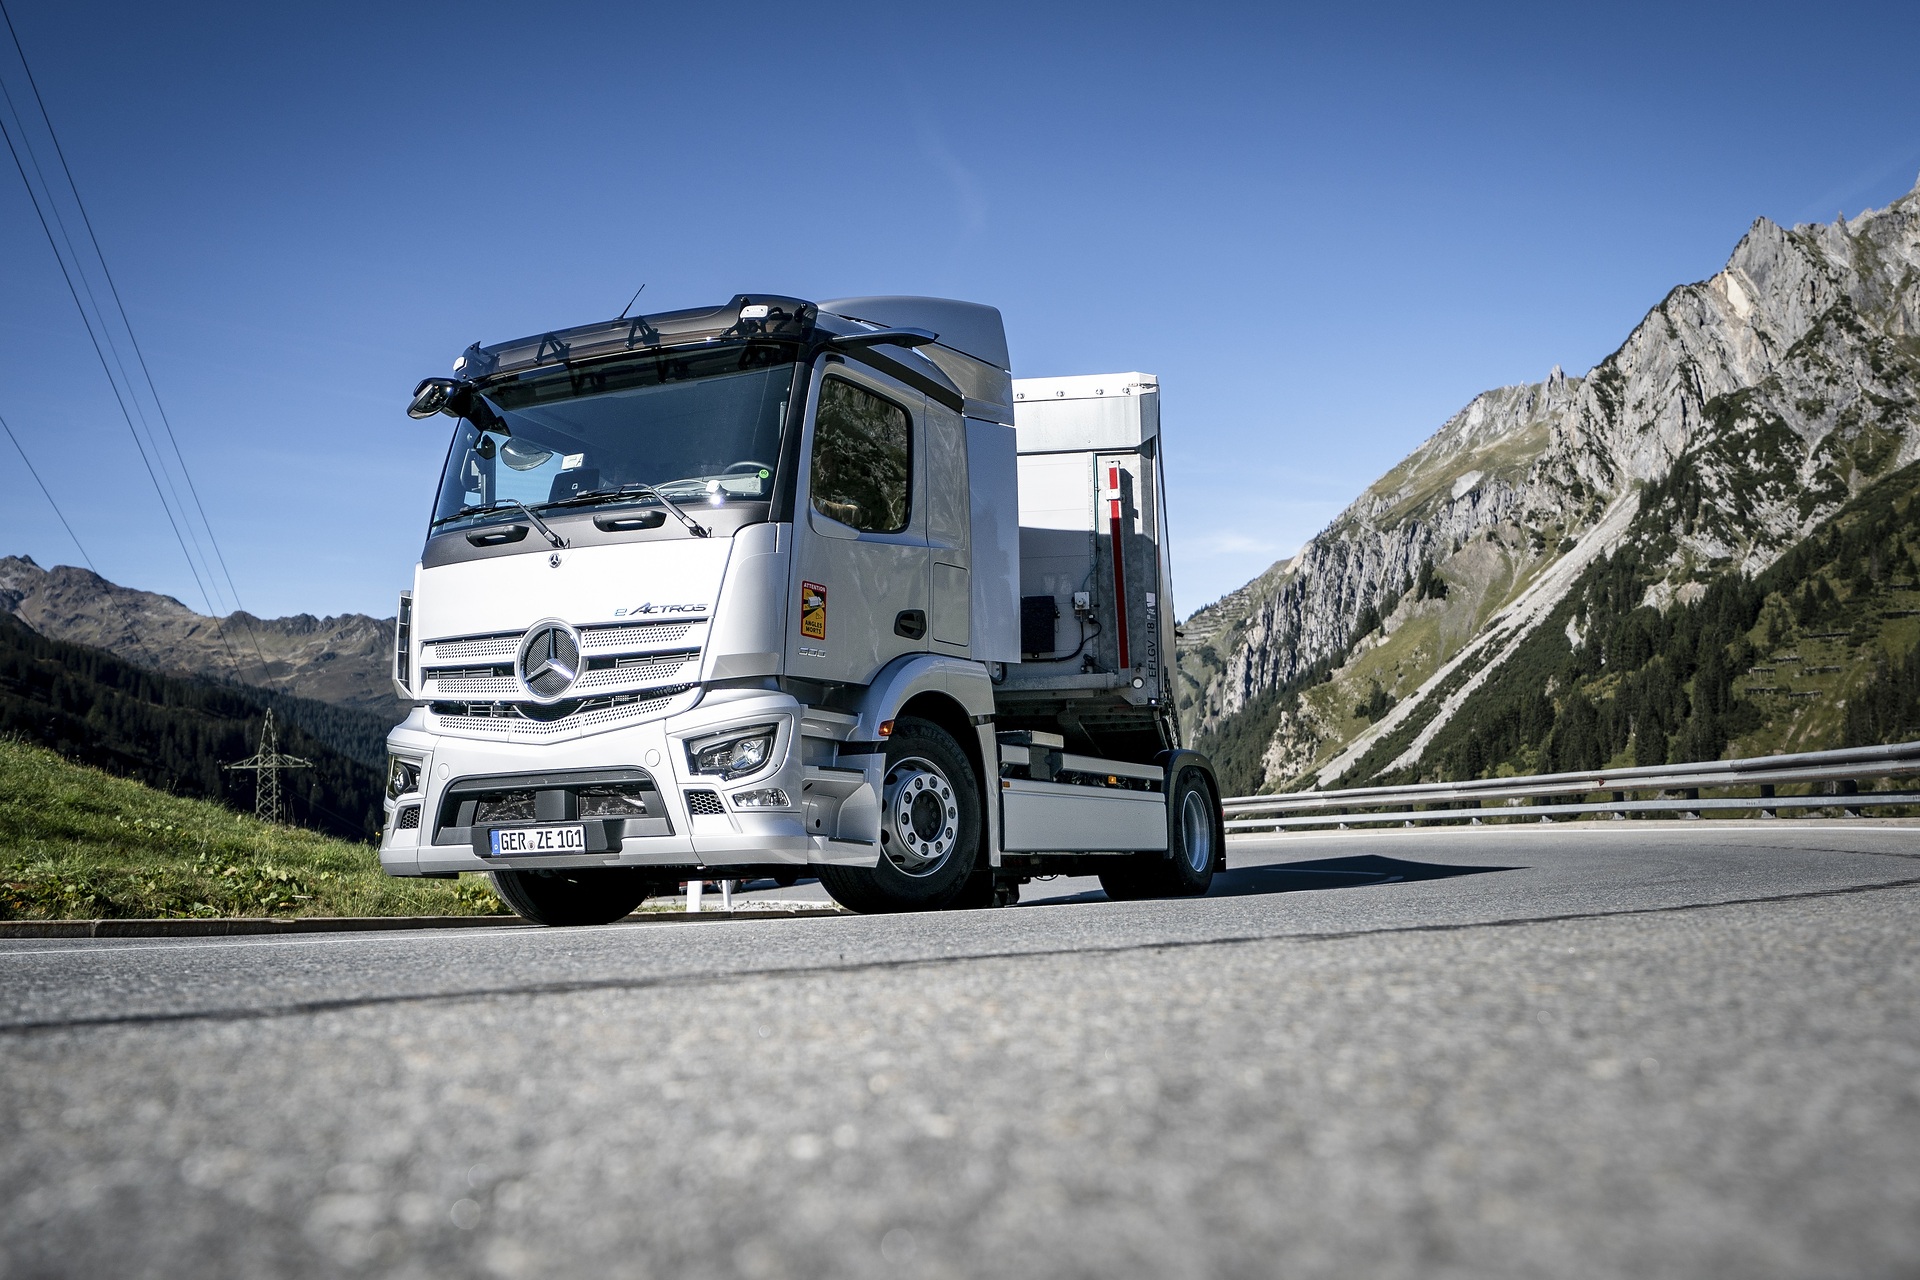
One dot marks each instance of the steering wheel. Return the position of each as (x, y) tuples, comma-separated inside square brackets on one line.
[(748, 465)]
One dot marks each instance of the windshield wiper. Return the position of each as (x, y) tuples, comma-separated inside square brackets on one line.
[(646, 490), (506, 504), (479, 510)]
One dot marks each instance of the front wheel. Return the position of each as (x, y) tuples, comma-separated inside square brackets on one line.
[(930, 825), (1194, 837), (575, 895)]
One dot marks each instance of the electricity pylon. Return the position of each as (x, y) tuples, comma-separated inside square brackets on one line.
[(266, 764)]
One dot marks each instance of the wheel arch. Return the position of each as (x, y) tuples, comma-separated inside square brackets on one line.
[(944, 710), (955, 694), (1175, 762)]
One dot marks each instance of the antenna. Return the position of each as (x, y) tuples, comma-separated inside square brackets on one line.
[(266, 764), (630, 301)]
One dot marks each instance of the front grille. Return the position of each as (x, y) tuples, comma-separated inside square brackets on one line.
[(617, 800), (472, 682), (599, 800), (618, 637), (613, 673), (476, 647), (503, 806), (534, 720), (406, 818), (703, 804), (629, 635), (614, 804), (629, 671)]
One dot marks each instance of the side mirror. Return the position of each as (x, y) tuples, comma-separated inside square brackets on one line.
[(432, 396)]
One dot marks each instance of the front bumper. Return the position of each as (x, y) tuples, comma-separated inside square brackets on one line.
[(713, 831)]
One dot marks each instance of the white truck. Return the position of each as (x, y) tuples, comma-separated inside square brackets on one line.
[(784, 588)]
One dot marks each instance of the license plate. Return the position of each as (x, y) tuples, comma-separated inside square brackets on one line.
[(516, 840)]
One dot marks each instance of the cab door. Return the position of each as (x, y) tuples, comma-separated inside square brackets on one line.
[(860, 542)]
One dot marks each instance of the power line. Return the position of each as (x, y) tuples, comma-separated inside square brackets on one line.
[(98, 314), (120, 400), (106, 332), (32, 471), (140, 356)]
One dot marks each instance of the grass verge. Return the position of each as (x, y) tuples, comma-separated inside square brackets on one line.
[(76, 843)]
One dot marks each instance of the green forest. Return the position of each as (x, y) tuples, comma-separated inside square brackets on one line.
[(177, 734)]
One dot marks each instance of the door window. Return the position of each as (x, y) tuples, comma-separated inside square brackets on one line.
[(862, 458)]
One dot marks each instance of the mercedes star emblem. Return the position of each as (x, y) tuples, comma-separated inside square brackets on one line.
[(549, 660)]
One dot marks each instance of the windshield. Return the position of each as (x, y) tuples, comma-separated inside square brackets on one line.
[(699, 428)]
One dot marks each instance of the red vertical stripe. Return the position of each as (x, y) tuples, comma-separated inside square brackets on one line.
[(1119, 587)]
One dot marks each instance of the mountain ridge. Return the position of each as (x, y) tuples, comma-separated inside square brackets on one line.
[(1775, 390), (342, 659)]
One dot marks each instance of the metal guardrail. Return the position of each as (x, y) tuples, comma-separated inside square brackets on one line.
[(1432, 802)]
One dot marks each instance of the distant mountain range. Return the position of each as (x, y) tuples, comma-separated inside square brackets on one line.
[(178, 733), (343, 660), (1702, 546), (139, 684)]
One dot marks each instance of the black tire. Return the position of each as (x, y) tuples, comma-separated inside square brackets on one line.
[(926, 857), (786, 879), (977, 893), (1194, 838), (573, 895)]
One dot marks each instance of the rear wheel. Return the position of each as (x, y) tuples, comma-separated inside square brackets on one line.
[(929, 827), (573, 895), (1193, 848)]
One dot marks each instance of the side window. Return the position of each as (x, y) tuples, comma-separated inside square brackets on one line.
[(862, 459)]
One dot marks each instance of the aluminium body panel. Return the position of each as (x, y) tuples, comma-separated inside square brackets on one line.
[(994, 536), (1094, 562), (943, 437), (1051, 817), (1088, 411)]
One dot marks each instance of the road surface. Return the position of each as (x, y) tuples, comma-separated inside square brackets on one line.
[(1596, 1049)]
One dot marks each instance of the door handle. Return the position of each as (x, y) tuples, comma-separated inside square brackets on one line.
[(911, 623), (498, 537)]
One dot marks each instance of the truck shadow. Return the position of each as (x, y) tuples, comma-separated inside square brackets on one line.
[(1300, 877), (1334, 873)]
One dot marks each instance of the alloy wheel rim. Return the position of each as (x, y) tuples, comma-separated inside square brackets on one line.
[(1196, 831), (921, 826)]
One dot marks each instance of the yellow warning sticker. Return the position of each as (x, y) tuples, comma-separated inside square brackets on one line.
[(813, 611)]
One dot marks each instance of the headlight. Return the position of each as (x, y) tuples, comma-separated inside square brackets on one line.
[(736, 755), (403, 776)]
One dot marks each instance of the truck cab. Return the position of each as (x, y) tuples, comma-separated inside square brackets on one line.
[(754, 590)]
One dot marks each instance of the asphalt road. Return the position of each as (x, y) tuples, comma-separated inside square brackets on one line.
[(1607, 1049)]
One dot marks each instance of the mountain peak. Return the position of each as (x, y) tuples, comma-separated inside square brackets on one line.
[(1746, 408)]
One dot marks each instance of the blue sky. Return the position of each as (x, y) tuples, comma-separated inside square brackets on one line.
[(1326, 228)]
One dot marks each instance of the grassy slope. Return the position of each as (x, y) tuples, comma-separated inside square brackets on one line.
[(1793, 670), (79, 843)]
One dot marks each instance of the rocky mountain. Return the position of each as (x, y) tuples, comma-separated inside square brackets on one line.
[(340, 660), (1736, 419)]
